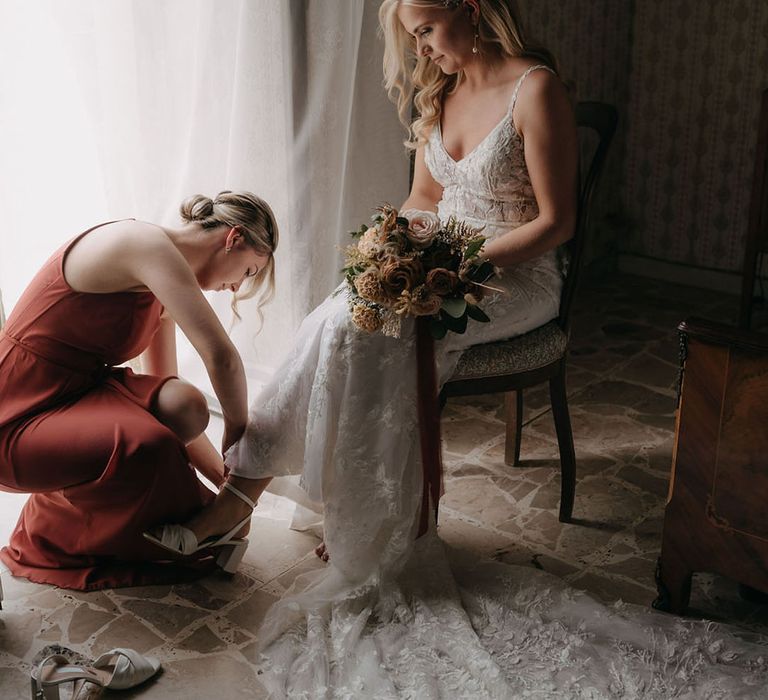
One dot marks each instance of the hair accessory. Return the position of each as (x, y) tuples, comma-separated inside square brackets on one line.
[(452, 4)]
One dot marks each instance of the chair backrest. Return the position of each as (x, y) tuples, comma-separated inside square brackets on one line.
[(756, 241), (602, 119)]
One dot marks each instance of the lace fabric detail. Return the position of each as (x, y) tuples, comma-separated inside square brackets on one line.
[(446, 627), (490, 184)]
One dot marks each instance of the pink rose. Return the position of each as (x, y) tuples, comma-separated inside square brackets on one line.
[(423, 227)]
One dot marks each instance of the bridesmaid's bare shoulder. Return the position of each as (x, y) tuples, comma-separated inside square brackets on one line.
[(105, 259)]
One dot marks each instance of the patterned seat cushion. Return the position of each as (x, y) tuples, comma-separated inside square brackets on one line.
[(532, 350)]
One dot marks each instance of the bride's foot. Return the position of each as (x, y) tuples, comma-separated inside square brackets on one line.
[(232, 505), (221, 525), (322, 552), (226, 511)]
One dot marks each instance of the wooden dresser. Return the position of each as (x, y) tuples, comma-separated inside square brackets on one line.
[(716, 517)]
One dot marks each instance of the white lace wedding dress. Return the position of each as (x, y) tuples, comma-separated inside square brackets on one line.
[(390, 617)]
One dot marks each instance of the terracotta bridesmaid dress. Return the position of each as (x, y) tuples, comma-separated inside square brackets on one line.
[(77, 433)]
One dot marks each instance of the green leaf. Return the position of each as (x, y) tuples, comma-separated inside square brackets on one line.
[(482, 272), (454, 307), (437, 328), (457, 325), (473, 248), (477, 313)]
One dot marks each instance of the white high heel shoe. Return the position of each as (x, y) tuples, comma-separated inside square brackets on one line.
[(181, 540), (117, 669)]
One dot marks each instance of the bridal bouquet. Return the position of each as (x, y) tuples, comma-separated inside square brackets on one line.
[(408, 264)]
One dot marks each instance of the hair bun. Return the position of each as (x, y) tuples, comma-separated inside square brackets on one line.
[(198, 207)]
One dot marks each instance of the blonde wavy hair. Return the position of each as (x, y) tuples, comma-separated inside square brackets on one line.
[(405, 73), (255, 219)]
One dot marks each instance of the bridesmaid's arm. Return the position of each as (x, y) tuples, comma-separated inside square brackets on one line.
[(206, 459), (148, 259), (544, 118), (425, 192), (159, 359)]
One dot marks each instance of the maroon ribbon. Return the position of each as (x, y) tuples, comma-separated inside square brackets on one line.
[(429, 422)]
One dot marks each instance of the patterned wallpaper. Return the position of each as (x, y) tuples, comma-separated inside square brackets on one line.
[(698, 69), (591, 40), (686, 78)]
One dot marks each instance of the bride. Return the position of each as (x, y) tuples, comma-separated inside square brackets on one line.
[(495, 145)]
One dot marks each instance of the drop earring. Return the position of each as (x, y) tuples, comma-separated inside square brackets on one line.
[(474, 42)]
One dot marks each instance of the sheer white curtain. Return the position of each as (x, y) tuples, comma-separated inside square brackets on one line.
[(121, 108)]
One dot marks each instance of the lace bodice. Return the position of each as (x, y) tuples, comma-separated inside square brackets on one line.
[(490, 185)]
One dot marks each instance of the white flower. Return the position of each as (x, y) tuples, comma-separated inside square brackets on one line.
[(423, 227), (369, 242)]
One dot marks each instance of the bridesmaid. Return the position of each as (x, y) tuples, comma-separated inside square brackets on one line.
[(107, 453)]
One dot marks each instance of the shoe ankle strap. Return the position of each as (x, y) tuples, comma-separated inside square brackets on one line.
[(239, 494)]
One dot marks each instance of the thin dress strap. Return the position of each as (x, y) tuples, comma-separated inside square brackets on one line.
[(513, 101)]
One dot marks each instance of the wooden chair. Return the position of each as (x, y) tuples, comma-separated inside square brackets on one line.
[(756, 244), (540, 356)]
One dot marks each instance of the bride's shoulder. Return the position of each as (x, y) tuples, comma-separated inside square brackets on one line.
[(539, 95), (530, 70), (533, 83)]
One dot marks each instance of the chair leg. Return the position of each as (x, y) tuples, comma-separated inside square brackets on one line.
[(513, 403), (562, 418)]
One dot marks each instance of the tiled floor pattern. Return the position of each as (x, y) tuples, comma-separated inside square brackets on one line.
[(623, 369)]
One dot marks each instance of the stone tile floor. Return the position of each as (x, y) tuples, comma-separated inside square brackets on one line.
[(623, 368)]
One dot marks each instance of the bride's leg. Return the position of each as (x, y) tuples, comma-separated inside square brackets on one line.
[(372, 478), (370, 471), (227, 509)]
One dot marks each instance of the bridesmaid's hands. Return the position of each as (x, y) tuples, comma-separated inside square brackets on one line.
[(232, 433)]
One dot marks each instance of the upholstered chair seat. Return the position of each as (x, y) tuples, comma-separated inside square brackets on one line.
[(532, 350)]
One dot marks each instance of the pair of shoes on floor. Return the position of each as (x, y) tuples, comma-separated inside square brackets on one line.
[(181, 540), (117, 670)]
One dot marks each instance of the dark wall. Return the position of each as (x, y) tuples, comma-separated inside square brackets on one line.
[(686, 77)]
